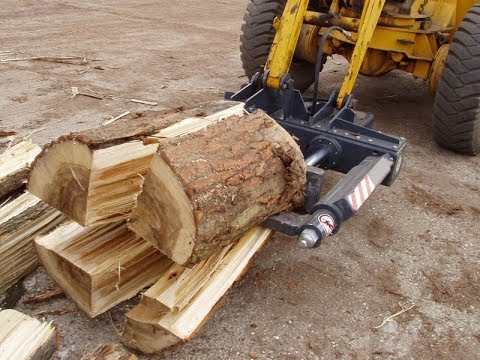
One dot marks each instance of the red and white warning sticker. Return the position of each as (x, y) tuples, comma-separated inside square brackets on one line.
[(328, 223), (361, 193)]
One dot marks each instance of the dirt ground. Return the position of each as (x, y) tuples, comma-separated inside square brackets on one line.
[(414, 244)]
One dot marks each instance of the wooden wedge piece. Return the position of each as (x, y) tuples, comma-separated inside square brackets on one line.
[(14, 166), (21, 220), (176, 288), (207, 188), (109, 352), (23, 337), (95, 176), (101, 266), (151, 327)]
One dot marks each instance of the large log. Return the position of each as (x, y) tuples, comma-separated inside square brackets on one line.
[(23, 337), (101, 266), (94, 176), (14, 166), (207, 188), (177, 306), (21, 221)]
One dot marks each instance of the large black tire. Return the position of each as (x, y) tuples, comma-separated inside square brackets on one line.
[(257, 38), (456, 111)]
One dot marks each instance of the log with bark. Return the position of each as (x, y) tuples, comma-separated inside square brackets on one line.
[(24, 337), (14, 166), (21, 220), (101, 266), (207, 187), (94, 176), (177, 306)]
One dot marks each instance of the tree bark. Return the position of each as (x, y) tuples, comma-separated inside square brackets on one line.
[(207, 188)]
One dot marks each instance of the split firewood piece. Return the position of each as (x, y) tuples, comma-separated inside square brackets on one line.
[(101, 266), (23, 337), (14, 166), (95, 176), (207, 188), (21, 221), (176, 288), (109, 352), (151, 327)]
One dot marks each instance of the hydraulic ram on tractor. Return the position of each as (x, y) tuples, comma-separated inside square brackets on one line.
[(331, 133), (340, 140)]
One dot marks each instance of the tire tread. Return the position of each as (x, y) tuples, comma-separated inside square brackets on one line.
[(456, 110), (257, 38)]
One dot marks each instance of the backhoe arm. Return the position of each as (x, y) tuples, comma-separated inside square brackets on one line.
[(288, 30), (368, 22)]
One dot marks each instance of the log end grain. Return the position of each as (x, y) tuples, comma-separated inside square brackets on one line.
[(60, 176)]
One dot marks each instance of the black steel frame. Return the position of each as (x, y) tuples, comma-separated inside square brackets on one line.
[(336, 139)]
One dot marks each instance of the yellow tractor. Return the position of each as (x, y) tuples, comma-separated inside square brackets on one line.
[(435, 40)]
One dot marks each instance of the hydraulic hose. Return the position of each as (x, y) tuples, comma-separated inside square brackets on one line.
[(318, 61)]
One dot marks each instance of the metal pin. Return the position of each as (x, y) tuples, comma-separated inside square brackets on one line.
[(308, 238)]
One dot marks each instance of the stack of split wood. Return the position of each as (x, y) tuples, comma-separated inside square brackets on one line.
[(23, 216), (172, 199)]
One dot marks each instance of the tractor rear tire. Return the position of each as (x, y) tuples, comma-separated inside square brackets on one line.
[(456, 111), (257, 39)]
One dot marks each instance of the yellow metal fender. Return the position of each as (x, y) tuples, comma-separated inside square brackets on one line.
[(437, 67)]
